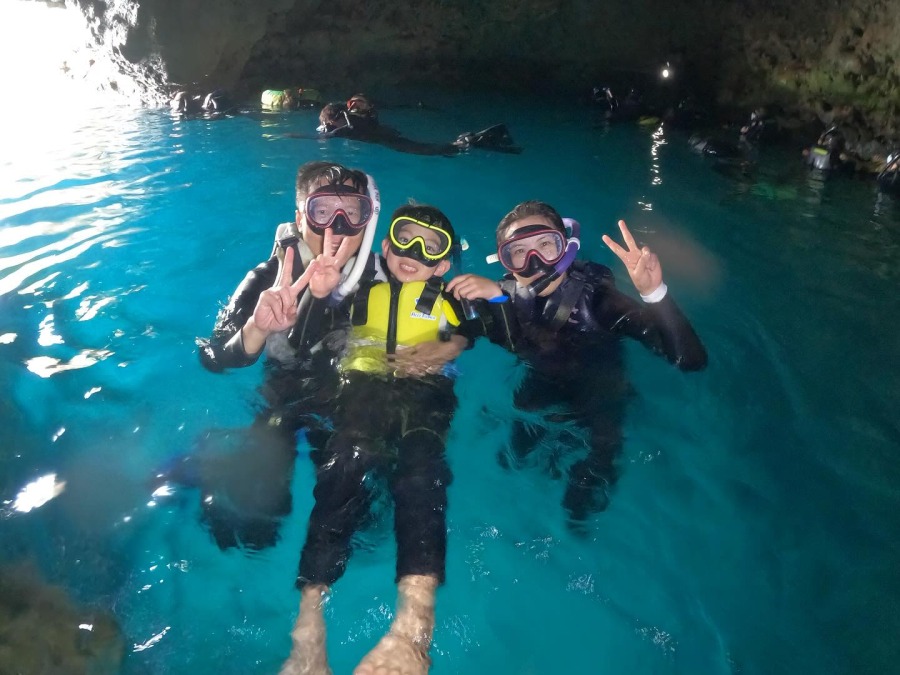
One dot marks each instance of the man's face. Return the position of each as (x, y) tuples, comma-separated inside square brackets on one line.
[(316, 241)]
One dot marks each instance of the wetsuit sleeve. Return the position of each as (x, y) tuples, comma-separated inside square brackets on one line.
[(660, 326), (223, 349), (495, 321)]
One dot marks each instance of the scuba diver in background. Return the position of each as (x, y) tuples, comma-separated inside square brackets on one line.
[(565, 319), (827, 154), (889, 177), (390, 426), (292, 98), (762, 127), (214, 104), (717, 147), (357, 119), (628, 109)]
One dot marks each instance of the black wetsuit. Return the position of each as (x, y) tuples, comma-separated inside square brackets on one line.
[(366, 128), (571, 341), (391, 428), (889, 179), (245, 474)]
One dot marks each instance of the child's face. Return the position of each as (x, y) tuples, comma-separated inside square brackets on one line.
[(407, 269)]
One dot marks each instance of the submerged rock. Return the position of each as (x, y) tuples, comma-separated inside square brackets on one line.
[(44, 631)]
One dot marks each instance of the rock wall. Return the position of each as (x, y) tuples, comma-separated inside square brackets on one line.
[(839, 59)]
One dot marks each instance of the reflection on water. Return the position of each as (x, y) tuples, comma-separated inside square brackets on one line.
[(121, 232)]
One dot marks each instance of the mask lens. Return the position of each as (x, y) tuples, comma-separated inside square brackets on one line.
[(322, 207), (548, 245), (422, 241)]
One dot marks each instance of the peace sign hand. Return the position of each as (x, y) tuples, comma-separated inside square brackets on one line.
[(642, 264), (327, 274), (276, 309)]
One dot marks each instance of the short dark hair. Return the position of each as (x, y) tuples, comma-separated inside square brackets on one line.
[(334, 174), (427, 214), (329, 114), (526, 209)]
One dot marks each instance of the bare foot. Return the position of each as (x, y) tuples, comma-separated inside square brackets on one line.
[(404, 650), (395, 655), (308, 656)]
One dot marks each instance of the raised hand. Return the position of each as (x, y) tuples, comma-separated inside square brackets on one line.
[(328, 264), (642, 264), (276, 309)]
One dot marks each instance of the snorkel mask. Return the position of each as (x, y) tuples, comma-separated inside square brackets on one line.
[(539, 250), (339, 208), (425, 243)]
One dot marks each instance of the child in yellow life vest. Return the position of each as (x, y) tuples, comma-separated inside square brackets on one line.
[(390, 419)]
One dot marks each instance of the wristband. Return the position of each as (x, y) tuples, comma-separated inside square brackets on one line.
[(656, 295)]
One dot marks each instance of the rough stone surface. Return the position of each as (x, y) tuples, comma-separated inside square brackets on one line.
[(838, 60)]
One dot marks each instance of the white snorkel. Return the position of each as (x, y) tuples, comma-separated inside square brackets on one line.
[(362, 256)]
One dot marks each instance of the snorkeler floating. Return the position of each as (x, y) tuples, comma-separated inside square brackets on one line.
[(214, 104), (560, 315), (357, 119)]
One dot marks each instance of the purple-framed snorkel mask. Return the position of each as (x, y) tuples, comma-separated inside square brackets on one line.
[(540, 250)]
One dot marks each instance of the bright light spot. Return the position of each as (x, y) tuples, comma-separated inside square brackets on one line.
[(37, 493), (87, 311), (45, 366), (665, 73), (59, 432), (7, 338), (86, 626), (163, 491), (46, 335), (90, 392), (41, 48), (75, 292)]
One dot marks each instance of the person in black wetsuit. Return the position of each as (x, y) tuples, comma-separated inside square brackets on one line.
[(827, 154), (357, 119), (244, 474), (390, 426), (213, 105), (565, 319), (889, 177)]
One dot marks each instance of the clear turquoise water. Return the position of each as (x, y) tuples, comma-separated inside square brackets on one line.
[(754, 529)]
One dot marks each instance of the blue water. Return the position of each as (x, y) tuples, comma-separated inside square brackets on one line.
[(754, 529)]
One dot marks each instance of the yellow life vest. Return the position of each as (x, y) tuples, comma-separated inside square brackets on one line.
[(391, 315)]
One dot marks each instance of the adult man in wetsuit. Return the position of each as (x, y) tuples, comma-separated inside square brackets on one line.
[(358, 120), (566, 318), (244, 474)]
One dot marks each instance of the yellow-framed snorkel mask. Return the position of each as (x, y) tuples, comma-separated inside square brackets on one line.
[(424, 242)]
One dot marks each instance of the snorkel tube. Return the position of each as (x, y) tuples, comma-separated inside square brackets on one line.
[(573, 234), (362, 256)]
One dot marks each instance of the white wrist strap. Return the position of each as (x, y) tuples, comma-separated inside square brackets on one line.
[(656, 295)]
